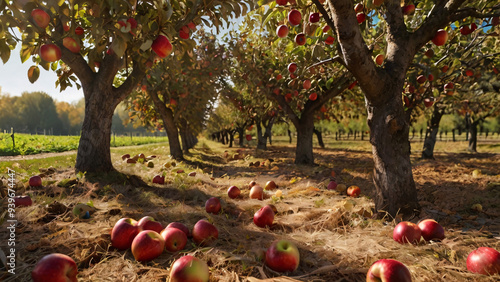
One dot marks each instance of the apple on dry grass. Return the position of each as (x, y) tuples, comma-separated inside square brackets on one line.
[(149, 223), (175, 239), (189, 269), (252, 183), (484, 260), (180, 226), (55, 268), (158, 179), (257, 192), (270, 185), (264, 217), (282, 256), (388, 270), (353, 191), (204, 233), (431, 230), (20, 201), (147, 245), (123, 233), (35, 181), (407, 232), (233, 192), (213, 205), (332, 185)]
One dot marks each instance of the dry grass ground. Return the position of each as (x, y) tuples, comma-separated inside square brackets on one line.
[(337, 238)]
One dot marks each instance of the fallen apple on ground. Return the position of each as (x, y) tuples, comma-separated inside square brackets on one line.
[(233, 192), (264, 217), (271, 185), (55, 268), (431, 230), (388, 270), (149, 223), (282, 256), (407, 232), (158, 179), (123, 233), (353, 191), (180, 226), (257, 192), (204, 233), (20, 201), (175, 239), (147, 245), (189, 269), (35, 181), (484, 260), (332, 185)]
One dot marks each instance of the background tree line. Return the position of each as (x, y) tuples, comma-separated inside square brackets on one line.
[(38, 113)]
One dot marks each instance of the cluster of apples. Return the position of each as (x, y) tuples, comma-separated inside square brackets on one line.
[(484, 260), (185, 31), (20, 201), (139, 158), (147, 239), (352, 191)]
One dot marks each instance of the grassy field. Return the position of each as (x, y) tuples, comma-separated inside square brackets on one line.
[(26, 144)]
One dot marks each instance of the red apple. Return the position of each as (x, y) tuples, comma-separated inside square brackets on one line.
[(473, 26), (360, 17), (264, 217), (408, 9), (378, 2), (204, 233), (35, 181), (212, 205), (248, 137), (79, 31), (50, 52), (465, 30), (307, 84), (41, 18), (326, 28), (282, 256), (329, 40), (388, 270), (175, 239), (180, 226), (379, 59), (279, 76), (71, 44), (431, 230), (421, 79), (314, 17), (252, 184), (271, 185), (158, 179), (256, 192), (428, 102), (292, 67), (484, 260), (282, 31), (233, 192), (313, 96), (149, 223), (126, 156), (189, 269), (55, 268), (132, 22), (124, 232), (300, 39), (281, 2), (147, 245), (332, 185), (440, 37), (161, 46), (353, 191), (430, 77), (184, 32), (406, 232), (359, 8), (469, 73), (20, 201), (449, 85), (445, 68), (351, 86), (66, 27), (294, 17)]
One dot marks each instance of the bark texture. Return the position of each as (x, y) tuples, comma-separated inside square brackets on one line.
[(431, 133)]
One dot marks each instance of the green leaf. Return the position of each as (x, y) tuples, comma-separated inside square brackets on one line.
[(4, 52), (26, 52), (33, 73)]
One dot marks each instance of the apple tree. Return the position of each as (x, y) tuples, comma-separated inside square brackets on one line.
[(396, 31), (90, 43)]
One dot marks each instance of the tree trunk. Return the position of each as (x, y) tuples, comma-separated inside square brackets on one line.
[(261, 138), (268, 134), (168, 121), (431, 134), (94, 148), (304, 148), (392, 175), (241, 134), (473, 137), (320, 138), (231, 138)]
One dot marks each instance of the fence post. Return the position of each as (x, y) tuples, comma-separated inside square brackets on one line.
[(13, 138)]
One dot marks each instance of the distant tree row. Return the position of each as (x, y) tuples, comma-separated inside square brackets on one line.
[(38, 113)]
